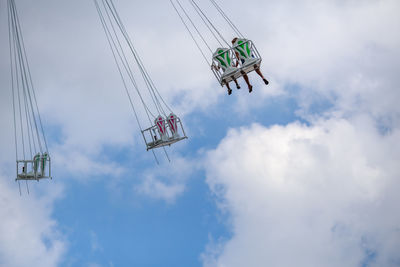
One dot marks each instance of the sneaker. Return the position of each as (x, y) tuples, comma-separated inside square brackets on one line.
[(250, 88), (229, 91), (266, 81)]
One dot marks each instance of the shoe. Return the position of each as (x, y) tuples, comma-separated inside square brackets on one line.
[(250, 88), (229, 91), (266, 81)]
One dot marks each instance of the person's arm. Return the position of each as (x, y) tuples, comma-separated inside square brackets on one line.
[(216, 67), (237, 58), (213, 66)]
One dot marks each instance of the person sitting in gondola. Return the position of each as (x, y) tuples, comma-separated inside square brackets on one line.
[(243, 52), (223, 57)]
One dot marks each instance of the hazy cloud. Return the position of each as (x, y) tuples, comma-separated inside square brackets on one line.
[(28, 234)]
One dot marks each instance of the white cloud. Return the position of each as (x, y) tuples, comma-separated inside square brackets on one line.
[(344, 51), (94, 242), (167, 181), (321, 195), (158, 189), (28, 234), (83, 166)]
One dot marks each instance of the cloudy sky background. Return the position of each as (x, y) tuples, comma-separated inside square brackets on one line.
[(300, 172)]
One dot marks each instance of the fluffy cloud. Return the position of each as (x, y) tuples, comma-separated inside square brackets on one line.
[(28, 234), (345, 52), (321, 195), (158, 189), (167, 181)]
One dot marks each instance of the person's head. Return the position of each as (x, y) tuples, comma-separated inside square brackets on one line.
[(234, 40)]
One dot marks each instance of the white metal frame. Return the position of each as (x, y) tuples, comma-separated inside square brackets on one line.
[(241, 68), (153, 138), (33, 175)]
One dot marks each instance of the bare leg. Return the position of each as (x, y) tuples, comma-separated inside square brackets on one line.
[(229, 89), (246, 78), (261, 75), (237, 85)]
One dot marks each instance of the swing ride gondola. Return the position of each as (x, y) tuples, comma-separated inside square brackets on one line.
[(164, 130), (32, 156), (230, 61), (249, 60)]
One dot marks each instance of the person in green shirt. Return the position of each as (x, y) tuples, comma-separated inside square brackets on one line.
[(223, 57), (243, 52)]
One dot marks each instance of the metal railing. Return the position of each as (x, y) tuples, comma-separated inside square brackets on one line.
[(153, 138), (242, 67), (41, 171)]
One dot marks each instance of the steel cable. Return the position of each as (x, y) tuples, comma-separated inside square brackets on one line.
[(227, 19)]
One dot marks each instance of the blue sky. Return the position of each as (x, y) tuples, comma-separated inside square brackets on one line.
[(297, 172)]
